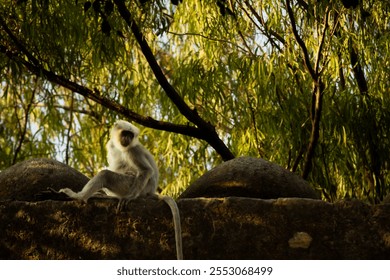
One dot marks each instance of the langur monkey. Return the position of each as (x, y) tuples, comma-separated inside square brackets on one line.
[(132, 173)]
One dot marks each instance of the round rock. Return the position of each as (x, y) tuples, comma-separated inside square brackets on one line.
[(24, 180), (250, 177)]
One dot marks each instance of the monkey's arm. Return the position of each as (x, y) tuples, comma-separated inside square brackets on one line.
[(146, 168)]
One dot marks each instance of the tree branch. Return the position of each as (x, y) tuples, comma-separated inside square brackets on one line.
[(267, 31), (300, 41), (104, 101), (315, 128), (23, 127), (318, 89), (208, 132), (357, 70), (33, 65), (370, 117), (319, 51)]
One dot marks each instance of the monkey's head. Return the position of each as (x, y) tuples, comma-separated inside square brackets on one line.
[(124, 134)]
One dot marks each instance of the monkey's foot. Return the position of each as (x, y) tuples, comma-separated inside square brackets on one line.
[(71, 194), (122, 204)]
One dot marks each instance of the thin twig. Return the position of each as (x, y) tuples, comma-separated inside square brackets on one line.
[(300, 42), (208, 38), (319, 51)]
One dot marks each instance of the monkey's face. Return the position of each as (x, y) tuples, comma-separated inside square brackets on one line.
[(126, 137)]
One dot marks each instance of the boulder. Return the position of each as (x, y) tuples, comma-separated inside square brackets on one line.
[(250, 177), (24, 180)]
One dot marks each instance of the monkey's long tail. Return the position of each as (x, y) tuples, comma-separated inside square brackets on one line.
[(176, 223)]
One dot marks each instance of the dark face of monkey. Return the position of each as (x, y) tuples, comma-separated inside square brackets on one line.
[(126, 137)]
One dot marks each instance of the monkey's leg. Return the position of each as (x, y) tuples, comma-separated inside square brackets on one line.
[(114, 184), (93, 186)]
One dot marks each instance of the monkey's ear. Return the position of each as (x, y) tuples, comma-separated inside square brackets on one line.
[(126, 137)]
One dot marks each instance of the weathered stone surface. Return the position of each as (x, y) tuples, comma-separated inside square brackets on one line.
[(24, 180), (213, 228), (250, 177)]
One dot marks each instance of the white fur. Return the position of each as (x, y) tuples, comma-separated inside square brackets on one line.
[(132, 173)]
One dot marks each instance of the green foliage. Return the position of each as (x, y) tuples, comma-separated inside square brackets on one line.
[(241, 68)]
